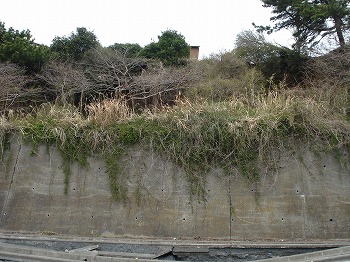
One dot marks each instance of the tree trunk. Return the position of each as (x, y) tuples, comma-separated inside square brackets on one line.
[(338, 28)]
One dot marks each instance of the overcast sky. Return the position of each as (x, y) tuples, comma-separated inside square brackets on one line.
[(211, 24)]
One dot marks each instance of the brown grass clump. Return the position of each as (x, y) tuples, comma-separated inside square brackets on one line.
[(109, 111)]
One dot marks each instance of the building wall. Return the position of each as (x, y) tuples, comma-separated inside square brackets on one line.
[(194, 52), (305, 199)]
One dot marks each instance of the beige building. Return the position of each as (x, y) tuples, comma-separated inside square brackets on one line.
[(194, 52)]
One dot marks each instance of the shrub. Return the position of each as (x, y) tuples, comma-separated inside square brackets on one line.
[(170, 48), (275, 62), (19, 48), (74, 46), (222, 77)]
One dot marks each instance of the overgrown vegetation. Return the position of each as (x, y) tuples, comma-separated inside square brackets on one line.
[(245, 137), (237, 110)]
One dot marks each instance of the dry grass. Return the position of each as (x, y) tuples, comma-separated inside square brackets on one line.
[(107, 111), (264, 125), (207, 131), (215, 87), (246, 134)]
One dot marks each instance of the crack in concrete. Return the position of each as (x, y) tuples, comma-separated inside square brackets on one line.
[(10, 186)]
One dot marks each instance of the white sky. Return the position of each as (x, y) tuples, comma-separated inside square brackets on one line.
[(211, 24)]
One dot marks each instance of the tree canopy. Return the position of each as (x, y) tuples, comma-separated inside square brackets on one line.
[(127, 49), (75, 45), (19, 47), (170, 48), (310, 20)]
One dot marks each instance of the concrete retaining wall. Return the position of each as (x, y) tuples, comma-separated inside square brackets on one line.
[(306, 199)]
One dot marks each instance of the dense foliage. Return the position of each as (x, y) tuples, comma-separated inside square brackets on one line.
[(74, 46), (130, 50), (19, 47), (170, 48), (310, 20), (277, 63)]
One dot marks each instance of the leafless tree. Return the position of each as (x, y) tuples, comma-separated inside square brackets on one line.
[(141, 81), (63, 82), (13, 85), (110, 70), (160, 86)]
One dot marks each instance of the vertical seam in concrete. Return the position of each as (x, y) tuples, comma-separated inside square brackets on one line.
[(230, 205), (10, 186), (303, 206)]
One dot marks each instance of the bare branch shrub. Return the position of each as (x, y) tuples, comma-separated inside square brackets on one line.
[(160, 86), (328, 77), (63, 82), (13, 82), (142, 82), (110, 69), (332, 68)]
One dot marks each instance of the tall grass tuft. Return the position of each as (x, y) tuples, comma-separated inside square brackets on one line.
[(105, 112)]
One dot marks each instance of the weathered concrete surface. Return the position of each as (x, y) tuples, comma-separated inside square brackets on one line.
[(306, 199), (335, 254)]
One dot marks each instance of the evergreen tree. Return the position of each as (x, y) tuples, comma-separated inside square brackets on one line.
[(170, 48), (74, 46), (18, 47), (310, 20)]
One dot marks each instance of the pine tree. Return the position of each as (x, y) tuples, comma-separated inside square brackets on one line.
[(310, 20)]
